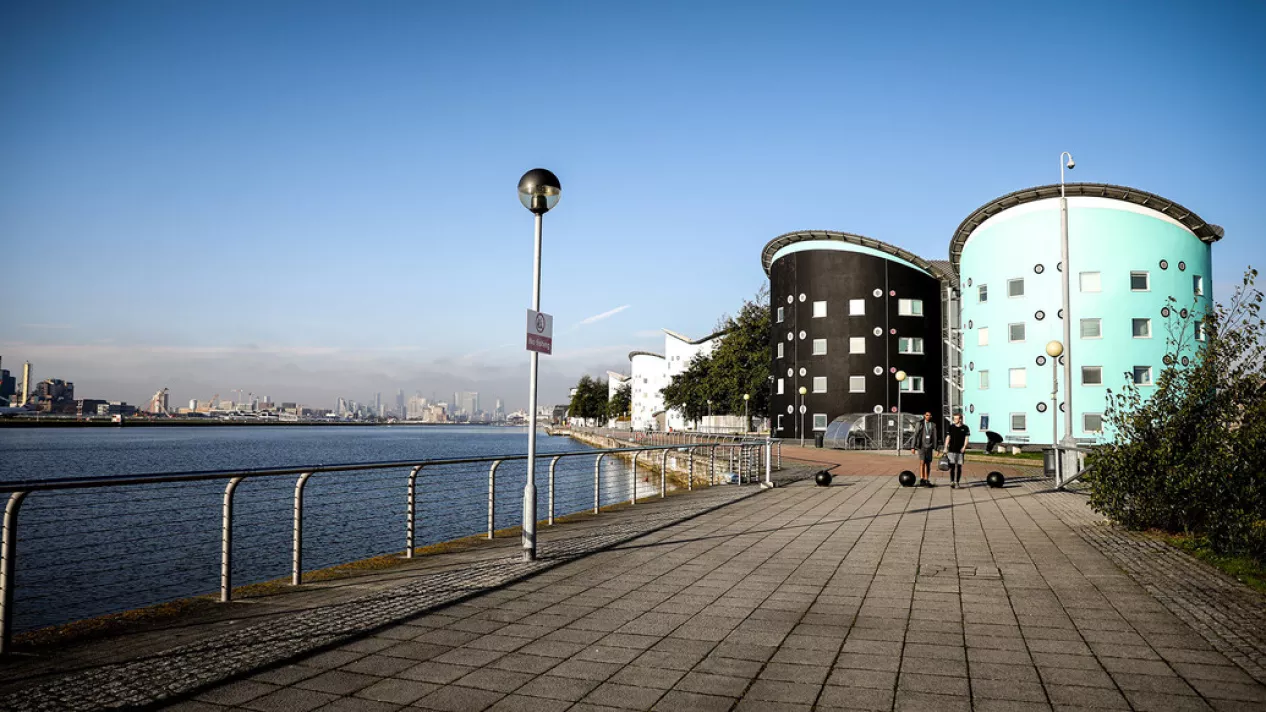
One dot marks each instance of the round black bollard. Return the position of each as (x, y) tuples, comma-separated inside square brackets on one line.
[(995, 479), (823, 478), (906, 478)]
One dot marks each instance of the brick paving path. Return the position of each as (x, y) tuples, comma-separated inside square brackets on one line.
[(861, 596)]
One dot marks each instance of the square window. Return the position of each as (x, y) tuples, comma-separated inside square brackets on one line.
[(1142, 375), (819, 310), (910, 345), (1092, 375), (1199, 331), (1019, 378), (1197, 285), (856, 384), (984, 421), (780, 386), (779, 423), (780, 314), (1142, 328), (1092, 422), (982, 336), (909, 307), (912, 384), (1015, 332), (819, 347), (819, 384), (1015, 287), (857, 307), (984, 380), (1090, 282), (1091, 329), (1019, 422), (1139, 282), (857, 344), (819, 421), (780, 350), (983, 293)]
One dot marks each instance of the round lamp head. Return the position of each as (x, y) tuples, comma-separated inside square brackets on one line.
[(803, 390), (539, 190), (1054, 349), (747, 396), (901, 376)]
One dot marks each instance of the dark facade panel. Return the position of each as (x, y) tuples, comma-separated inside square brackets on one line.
[(836, 277)]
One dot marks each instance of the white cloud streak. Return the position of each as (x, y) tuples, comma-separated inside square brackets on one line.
[(604, 315)]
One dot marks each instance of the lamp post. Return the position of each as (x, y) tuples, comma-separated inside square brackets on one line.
[(1054, 349), (1068, 441), (901, 379), (708, 427), (803, 391), (539, 191), (747, 424)]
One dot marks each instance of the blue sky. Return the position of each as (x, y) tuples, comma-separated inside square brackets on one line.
[(311, 199)]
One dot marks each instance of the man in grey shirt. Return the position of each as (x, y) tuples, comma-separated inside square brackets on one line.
[(925, 446)]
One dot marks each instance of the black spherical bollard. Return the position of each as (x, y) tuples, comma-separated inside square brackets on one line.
[(823, 478), (995, 479), (906, 478)]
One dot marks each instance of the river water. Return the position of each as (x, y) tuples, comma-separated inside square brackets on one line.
[(83, 553)]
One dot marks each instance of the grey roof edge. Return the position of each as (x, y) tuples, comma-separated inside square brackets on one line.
[(643, 353), (790, 238), (1205, 231), (687, 339)]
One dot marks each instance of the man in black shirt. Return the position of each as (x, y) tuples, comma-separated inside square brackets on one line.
[(925, 446), (955, 444)]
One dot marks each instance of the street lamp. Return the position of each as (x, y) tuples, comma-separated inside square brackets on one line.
[(803, 391), (708, 427), (1068, 441), (747, 424), (901, 378), (1054, 349), (539, 191)]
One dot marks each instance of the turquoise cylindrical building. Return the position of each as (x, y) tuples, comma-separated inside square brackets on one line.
[(1140, 279)]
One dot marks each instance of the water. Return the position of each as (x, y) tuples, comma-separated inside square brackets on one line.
[(83, 553)]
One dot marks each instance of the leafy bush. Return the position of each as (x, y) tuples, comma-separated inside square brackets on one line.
[(1191, 458)]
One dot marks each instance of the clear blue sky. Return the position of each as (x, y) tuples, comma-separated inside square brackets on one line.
[(311, 199)]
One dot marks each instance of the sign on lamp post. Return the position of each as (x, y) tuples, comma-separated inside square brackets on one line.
[(540, 332)]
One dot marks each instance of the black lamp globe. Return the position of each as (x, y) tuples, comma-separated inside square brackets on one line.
[(539, 190)]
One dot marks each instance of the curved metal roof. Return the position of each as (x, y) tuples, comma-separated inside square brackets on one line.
[(643, 353), (692, 342), (791, 238), (1205, 231)]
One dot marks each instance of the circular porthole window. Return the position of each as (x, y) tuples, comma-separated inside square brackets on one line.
[(1167, 360), (878, 292), (1038, 269), (790, 299), (791, 372), (1062, 409), (971, 408), (1059, 314), (1164, 311), (802, 334), (969, 281), (1183, 313), (790, 336), (1164, 264), (969, 323), (892, 369), (1041, 407), (1041, 360), (1185, 361), (1182, 266), (802, 297), (791, 409), (878, 409), (892, 332), (879, 370), (894, 410), (892, 293), (879, 331), (1059, 266), (971, 366), (1061, 360), (1039, 315), (802, 372)]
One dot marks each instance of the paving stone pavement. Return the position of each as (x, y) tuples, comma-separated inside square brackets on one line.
[(863, 595)]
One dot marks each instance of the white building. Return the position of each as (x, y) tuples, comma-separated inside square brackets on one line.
[(616, 381), (679, 351), (649, 376)]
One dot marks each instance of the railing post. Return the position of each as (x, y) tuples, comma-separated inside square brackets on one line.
[(597, 482), (712, 465), (410, 540), (552, 463), (769, 464), (296, 571), (226, 542), (492, 497), (634, 499), (663, 475), (780, 454), (8, 563), (690, 470)]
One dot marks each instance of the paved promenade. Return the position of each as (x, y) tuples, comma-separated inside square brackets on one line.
[(864, 595)]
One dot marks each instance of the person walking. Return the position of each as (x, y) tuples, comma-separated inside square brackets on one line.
[(925, 443), (955, 446)]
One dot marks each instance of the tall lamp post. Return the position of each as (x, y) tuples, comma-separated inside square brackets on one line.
[(803, 391), (1068, 441), (747, 424), (539, 191), (708, 427), (901, 379), (1054, 349)]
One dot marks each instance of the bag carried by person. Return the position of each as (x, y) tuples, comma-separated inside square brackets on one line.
[(944, 464)]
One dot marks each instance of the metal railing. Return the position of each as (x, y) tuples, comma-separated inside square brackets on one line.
[(100, 545)]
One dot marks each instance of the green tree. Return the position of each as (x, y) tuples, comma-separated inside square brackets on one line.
[(621, 403), (590, 399), (1192, 456)]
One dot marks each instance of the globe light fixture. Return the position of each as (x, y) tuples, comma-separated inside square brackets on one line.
[(803, 391), (901, 377)]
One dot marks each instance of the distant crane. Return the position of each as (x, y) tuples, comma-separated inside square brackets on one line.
[(157, 403), (209, 405)]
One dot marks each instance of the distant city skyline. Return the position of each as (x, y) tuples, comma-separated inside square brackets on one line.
[(317, 200)]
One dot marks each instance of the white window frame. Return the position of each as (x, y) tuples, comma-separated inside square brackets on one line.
[(1098, 322), (854, 342), (1147, 281), (856, 384), (1024, 377), (1084, 425), (857, 307), (909, 385), (907, 307), (819, 384), (780, 314), (819, 347), (1197, 285), (1098, 281), (819, 310), (1011, 333), (984, 422), (778, 423), (781, 386), (816, 416), (1200, 335), (1134, 375), (1097, 369), (1017, 280), (982, 336), (982, 294), (1024, 423), (780, 349), (906, 345), (984, 380), (1148, 322)]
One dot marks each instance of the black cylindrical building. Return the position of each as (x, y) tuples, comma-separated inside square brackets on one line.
[(848, 314)]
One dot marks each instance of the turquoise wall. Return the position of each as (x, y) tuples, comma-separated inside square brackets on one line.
[(1104, 237)]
